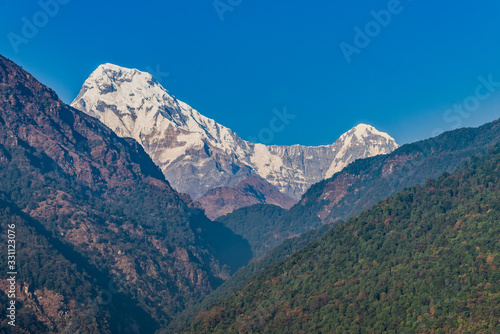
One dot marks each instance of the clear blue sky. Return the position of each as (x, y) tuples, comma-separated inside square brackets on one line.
[(272, 54)]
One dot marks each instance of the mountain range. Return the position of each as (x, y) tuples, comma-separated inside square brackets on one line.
[(276, 234), (360, 185), (105, 245), (110, 202), (426, 260), (196, 154)]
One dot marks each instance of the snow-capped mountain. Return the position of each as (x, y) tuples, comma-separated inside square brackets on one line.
[(197, 154)]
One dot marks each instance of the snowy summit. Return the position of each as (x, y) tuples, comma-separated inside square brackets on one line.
[(196, 153)]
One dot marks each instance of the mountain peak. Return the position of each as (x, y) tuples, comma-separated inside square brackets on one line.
[(361, 141), (361, 130), (120, 70), (114, 66), (196, 153), (109, 74), (364, 127), (109, 83)]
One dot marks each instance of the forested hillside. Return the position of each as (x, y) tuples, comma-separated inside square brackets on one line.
[(255, 223), (240, 278), (362, 184), (425, 260)]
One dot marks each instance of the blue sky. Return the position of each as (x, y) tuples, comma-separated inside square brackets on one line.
[(240, 61)]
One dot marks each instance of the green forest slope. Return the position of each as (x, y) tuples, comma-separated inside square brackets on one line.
[(425, 260)]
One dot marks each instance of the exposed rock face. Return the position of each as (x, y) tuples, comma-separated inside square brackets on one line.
[(197, 154), (99, 205), (252, 190)]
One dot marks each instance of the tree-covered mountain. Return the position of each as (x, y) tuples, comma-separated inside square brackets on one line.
[(255, 223), (240, 278), (106, 245), (426, 260), (362, 184), (58, 290)]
